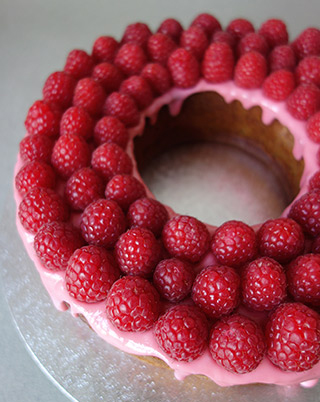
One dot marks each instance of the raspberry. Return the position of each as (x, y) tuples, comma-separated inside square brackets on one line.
[(69, 154), (281, 239), (304, 279), (218, 63), (250, 70), (109, 160), (239, 27), (306, 211), (184, 68), (307, 43), (137, 252), (237, 344), (308, 71), (40, 206), (316, 245), (90, 274), (173, 279), (158, 77), (253, 42), (36, 147), (149, 214), (122, 107), (304, 101), (314, 182), (55, 243), (224, 37), (186, 237), (108, 76), (133, 304), (130, 59), (102, 222), (42, 119), (59, 88), (182, 333), (76, 120), (234, 243), (110, 129), (279, 85), (160, 47), (138, 89), (216, 290), (208, 23), (293, 337), (79, 64), (313, 128), (282, 58), (195, 40), (275, 32), (137, 33), (83, 187), (263, 284), (34, 174), (172, 28), (124, 189), (89, 95), (104, 49)]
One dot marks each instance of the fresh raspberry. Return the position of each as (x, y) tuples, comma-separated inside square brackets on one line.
[(308, 71), (69, 154), (173, 278), (216, 290), (42, 119), (34, 174), (160, 47), (40, 206), (218, 63), (250, 70), (293, 337), (83, 187), (307, 43), (253, 42), (263, 284), (306, 211), (137, 33), (184, 68), (130, 59), (90, 274), (104, 49), (281, 239), (282, 58), (237, 344), (172, 28), (109, 160), (102, 222), (224, 37), (36, 147), (182, 333), (59, 88), (124, 189), (89, 95), (313, 128), (79, 64), (122, 107), (110, 129), (304, 279), (149, 214), (108, 76), (158, 77), (239, 27), (279, 85), (138, 89), (208, 23), (55, 243), (304, 101), (315, 249), (314, 182), (76, 120), (186, 237), (133, 304), (195, 40), (275, 32), (234, 243)]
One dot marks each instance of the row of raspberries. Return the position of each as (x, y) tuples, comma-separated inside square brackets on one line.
[(260, 294)]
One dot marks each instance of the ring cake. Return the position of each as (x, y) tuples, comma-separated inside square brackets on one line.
[(235, 303)]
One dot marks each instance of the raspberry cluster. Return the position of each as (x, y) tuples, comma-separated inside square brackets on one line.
[(121, 248)]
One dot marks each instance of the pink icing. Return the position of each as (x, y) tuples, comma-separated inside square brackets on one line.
[(144, 343)]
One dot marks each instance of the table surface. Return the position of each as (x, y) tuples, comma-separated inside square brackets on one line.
[(35, 37)]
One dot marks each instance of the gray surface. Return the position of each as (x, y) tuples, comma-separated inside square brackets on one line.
[(35, 36)]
